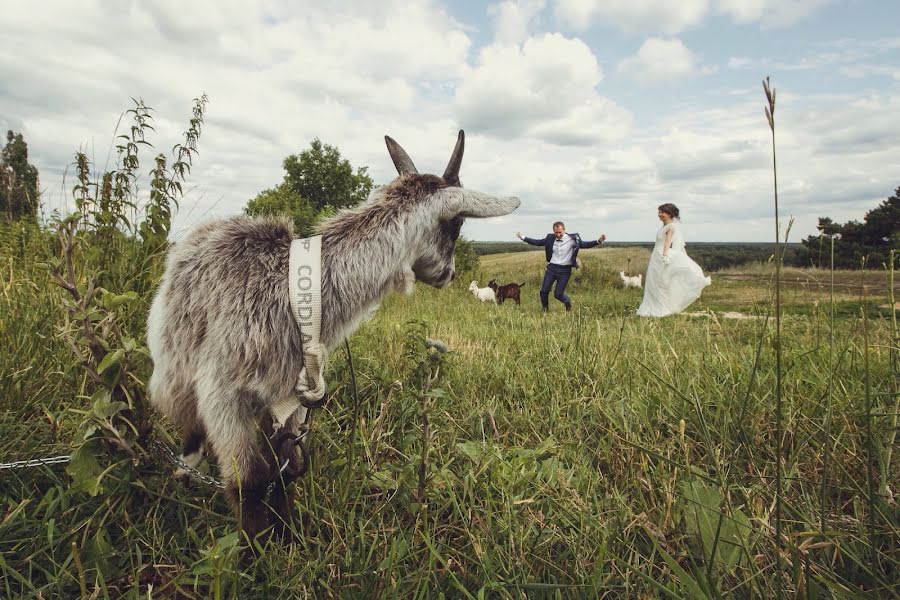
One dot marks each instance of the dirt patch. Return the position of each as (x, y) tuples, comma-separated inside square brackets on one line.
[(875, 286), (725, 315)]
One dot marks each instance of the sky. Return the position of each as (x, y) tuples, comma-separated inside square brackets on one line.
[(592, 112)]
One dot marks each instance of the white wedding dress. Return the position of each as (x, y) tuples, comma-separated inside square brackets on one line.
[(670, 288)]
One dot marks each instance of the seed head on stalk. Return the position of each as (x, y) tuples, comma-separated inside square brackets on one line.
[(779, 428)]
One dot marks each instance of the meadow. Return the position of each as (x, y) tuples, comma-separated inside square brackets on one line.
[(589, 454)]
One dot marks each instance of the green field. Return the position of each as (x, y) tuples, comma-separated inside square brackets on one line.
[(590, 454)]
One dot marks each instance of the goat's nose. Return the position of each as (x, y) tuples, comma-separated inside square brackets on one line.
[(452, 275)]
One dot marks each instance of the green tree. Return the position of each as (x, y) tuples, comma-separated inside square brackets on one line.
[(466, 258), (317, 182), (322, 177), (282, 200), (872, 239), (18, 181)]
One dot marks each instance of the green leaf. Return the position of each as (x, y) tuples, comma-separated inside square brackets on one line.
[(702, 513), (105, 411), (112, 301), (85, 469), (472, 450), (110, 359), (382, 480)]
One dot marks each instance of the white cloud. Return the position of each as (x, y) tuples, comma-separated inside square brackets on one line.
[(544, 89), (277, 77), (768, 12), (866, 70), (674, 16), (669, 16), (659, 60), (514, 19), (739, 62)]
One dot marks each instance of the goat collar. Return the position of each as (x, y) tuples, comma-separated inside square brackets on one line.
[(305, 293)]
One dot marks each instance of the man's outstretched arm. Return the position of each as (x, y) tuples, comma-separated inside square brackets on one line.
[(592, 243), (528, 240)]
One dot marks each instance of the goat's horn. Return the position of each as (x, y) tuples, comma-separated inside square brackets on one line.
[(401, 159), (451, 174)]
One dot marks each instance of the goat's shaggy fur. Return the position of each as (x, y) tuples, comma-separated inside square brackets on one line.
[(484, 294), (635, 281), (224, 341), (511, 291)]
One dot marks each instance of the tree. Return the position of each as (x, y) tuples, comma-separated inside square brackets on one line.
[(18, 181), (322, 177), (872, 239), (282, 200), (466, 258), (317, 182)]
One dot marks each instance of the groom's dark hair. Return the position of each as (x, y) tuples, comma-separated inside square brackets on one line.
[(560, 223)]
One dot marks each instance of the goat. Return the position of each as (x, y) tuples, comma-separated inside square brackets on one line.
[(484, 294), (510, 290), (631, 281), (224, 341)]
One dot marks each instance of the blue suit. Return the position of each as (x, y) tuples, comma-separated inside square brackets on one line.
[(558, 273)]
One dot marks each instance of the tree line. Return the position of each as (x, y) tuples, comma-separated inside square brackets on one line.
[(856, 244)]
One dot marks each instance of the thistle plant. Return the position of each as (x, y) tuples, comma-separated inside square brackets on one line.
[(104, 237)]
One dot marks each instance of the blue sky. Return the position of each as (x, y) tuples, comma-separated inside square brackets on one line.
[(591, 111)]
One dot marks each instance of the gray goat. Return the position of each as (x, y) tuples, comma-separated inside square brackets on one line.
[(224, 341)]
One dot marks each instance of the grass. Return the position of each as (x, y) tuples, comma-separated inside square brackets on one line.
[(581, 455)]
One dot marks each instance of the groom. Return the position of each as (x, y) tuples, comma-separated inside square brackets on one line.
[(561, 249)]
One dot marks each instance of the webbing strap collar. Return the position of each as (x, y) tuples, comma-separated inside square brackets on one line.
[(305, 293)]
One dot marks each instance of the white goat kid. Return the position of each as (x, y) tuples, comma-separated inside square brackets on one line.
[(484, 294), (635, 281)]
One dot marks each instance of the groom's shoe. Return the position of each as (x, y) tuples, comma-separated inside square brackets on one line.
[(569, 306)]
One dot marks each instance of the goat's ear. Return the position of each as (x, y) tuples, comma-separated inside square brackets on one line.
[(451, 173), (459, 202), (401, 159)]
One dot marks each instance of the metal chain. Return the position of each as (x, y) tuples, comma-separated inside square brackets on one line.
[(303, 431), (194, 473), (35, 462)]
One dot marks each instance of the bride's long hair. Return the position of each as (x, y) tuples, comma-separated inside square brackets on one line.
[(670, 209)]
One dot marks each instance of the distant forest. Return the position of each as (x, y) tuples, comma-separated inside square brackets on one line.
[(712, 256)]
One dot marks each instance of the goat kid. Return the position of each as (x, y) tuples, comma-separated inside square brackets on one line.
[(635, 281), (225, 344), (511, 291), (484, 294)]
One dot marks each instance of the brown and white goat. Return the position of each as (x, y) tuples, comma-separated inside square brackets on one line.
[(225, 344), (511, 291)]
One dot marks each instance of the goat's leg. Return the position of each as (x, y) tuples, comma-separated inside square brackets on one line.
[(178, 400), (231, 426), (193, 433), (281, 502)]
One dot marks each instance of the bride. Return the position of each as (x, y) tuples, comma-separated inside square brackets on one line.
[(673, 280)]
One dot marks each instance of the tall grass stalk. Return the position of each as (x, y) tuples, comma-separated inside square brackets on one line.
[(829, 397), (779, 426), (895, 372), (870, 445)]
